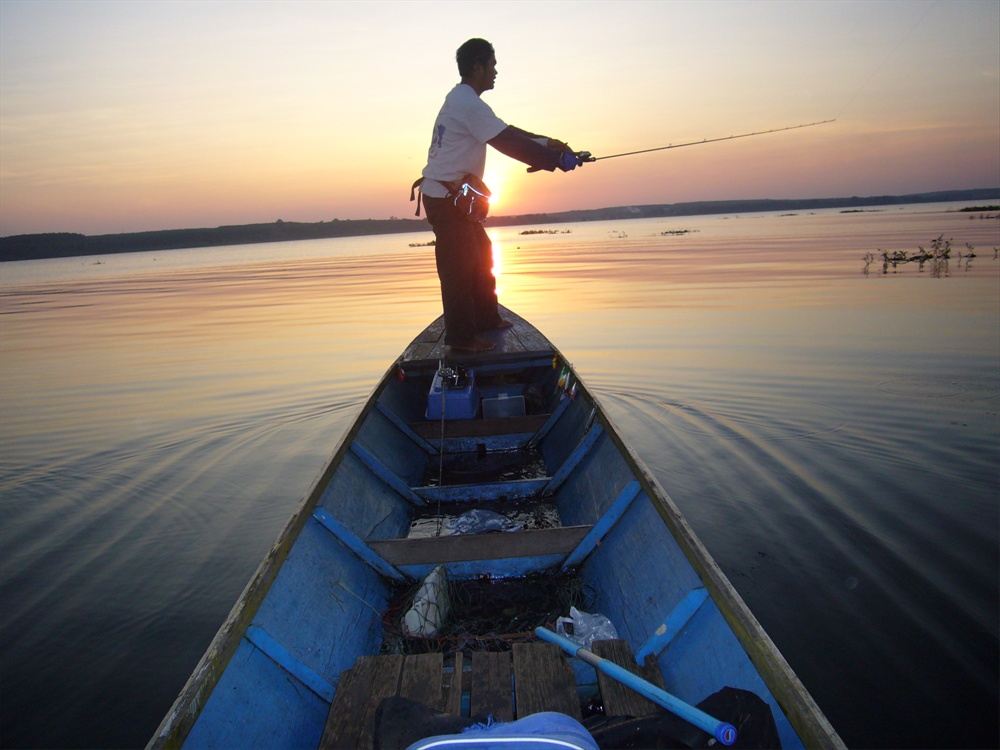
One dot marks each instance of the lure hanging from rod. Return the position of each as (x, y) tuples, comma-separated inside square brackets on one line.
[(588, 157)]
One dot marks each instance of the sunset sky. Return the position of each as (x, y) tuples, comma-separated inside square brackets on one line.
[(133, 115)]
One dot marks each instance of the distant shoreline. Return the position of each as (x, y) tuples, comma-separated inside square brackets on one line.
[(67, 244)]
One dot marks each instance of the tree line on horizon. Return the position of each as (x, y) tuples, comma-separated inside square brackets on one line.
[(68, 244)]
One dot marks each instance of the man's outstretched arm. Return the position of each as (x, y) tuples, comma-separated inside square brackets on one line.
[(527, 147)]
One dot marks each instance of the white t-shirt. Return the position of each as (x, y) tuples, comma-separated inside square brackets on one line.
[(458, 144)]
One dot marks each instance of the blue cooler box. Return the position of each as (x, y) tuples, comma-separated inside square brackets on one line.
[(461, 401)]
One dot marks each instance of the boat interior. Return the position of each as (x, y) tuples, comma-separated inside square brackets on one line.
[(512, 447)]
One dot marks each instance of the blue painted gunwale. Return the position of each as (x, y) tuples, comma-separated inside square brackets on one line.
[(313, 604)]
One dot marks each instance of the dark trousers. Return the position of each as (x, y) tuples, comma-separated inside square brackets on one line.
[(464, 256)]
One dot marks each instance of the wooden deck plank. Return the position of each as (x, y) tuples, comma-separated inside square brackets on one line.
[(618, 699), (452, 687), (533, 677), (422, 680), (520, 338), (423, 345), (464, 548), (432, 333), (543, 681), (351, 721), (349, 700), (491, 691), (527, 335)]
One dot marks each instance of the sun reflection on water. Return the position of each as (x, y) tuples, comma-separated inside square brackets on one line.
[(497, 262)]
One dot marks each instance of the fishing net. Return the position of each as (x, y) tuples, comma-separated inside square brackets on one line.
[(474, 467), (486, 614)]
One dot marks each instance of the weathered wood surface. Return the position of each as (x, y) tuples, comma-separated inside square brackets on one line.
[(452, 685), (422, 680), (507, 685), (618, 699), (351, 721), (467, 547), (520, 338), (544, 681), (491, 688)]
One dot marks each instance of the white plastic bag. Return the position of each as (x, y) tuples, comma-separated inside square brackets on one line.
[(586, 628), (430, 606)]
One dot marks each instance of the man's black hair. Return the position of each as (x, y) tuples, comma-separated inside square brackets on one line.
[(472, 52)]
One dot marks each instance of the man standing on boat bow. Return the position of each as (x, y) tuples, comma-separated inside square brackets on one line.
[(456, 199)]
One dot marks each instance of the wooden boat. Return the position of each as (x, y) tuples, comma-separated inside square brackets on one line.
[(519, 435)]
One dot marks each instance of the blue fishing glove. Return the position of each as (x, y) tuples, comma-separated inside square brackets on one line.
[(568, 161)]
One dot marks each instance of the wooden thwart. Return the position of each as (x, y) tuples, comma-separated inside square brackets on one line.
[(463, 548)]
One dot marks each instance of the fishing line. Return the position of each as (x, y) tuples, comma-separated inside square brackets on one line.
[(586, 156), (887, 58)]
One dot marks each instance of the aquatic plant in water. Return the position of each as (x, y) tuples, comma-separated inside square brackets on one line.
[(939, 257)]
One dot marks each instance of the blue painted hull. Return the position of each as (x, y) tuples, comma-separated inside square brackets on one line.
[(317, 601)]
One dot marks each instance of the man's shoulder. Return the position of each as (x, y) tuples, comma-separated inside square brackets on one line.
[(465, 111), (465, 97)]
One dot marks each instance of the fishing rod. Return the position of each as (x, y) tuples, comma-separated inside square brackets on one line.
[(588, 157)]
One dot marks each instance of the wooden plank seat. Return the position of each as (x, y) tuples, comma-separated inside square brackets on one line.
[(559, 541), (508, 685)]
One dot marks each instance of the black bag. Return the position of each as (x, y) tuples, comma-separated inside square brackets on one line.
[(471, 198)]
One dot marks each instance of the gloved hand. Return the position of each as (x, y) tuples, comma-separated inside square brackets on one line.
[(568, 161)]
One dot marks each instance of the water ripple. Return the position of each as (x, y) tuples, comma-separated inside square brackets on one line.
[(941, 387)]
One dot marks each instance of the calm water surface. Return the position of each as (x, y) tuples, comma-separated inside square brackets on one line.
[(834, 439)]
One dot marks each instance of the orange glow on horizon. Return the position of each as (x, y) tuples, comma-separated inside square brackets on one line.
[(121, 133)]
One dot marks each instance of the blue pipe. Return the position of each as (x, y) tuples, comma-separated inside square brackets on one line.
[(722, 731)]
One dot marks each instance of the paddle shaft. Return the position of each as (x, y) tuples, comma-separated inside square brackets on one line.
[(722, 731)]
